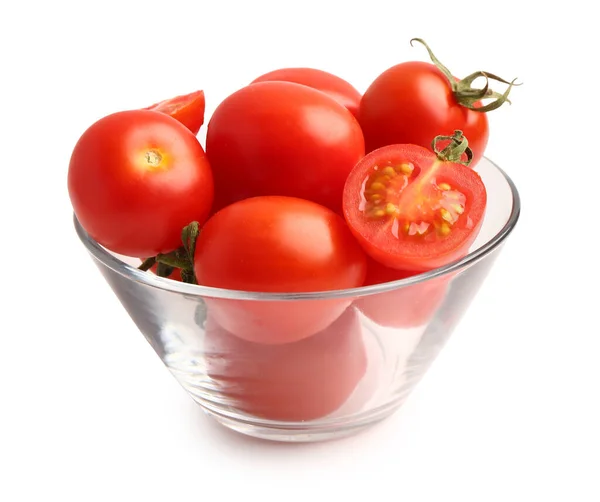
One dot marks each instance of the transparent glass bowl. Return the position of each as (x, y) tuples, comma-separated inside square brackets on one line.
[(368, 347)]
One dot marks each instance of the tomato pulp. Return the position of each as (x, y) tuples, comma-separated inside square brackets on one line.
[(339, 89), (136, 178), (282, 138), (412, 211), (305, 380), (277, 244)]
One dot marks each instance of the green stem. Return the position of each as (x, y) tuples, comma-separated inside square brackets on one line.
[(468, 96), (181, 258), (454, 151)]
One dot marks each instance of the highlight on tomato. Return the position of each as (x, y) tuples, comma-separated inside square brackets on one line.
[(414, 101), (338, 88), (136, 178), (300, 381), (186, 108), (415, 210), (405, 307), (282, 138), (277, 244)]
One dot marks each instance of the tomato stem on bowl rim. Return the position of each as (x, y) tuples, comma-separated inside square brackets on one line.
[(465, 94), (181, 258), (454, 151)]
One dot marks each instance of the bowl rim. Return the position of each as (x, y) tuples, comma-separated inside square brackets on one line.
[(197, 291)]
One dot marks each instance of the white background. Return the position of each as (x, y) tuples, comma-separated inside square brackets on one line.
[(510, 410)]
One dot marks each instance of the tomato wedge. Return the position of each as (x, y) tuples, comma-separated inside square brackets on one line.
[(187, 109), (412, 210)]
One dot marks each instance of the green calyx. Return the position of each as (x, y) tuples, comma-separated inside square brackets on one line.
[(181, 258), (468, 96), (453, 151)]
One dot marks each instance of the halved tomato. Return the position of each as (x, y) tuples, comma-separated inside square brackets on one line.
[(411, 210), (187, 109)]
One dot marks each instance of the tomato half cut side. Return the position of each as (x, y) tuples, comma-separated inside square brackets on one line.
[(304, 380), (410, 210), (187, 109), (405, 307)]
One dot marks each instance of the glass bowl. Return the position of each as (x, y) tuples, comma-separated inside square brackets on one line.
[(368, 347)]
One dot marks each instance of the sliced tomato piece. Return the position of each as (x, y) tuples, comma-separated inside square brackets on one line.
[(410, 210), (405, 307), (304, 380), (187, 109)]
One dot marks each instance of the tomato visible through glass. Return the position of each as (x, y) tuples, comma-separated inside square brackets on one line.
[(412, 211)]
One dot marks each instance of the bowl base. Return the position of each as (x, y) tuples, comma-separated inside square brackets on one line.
[(302, 432)]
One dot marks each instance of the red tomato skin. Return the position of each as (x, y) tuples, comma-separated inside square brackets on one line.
[(411, 103), (125, 204), (406, 307), (300, 381), (187, 109), (338, 88), (413, 256), (282, 138), (278, 245)]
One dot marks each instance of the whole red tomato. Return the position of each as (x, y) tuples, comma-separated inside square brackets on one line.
[(136, 178), (277, 245), (187, 109), (282, 138), (305, 380), (411, 210), (412, 102), (339, 89), (405, 307)]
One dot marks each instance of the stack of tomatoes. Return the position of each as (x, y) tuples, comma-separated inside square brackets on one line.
[(304, 185)]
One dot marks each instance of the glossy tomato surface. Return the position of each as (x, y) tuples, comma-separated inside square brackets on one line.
[(405, 307), (413, 102), (187, 109), (282, 138), (411, 211), (305, 380), (338, 88), (277, 245), (135, 179)]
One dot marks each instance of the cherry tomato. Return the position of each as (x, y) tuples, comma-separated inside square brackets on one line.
[(277, 245), (339, 89), (411, 103), (187, 109), (299, 381), (405, 307), (282, 138), (412, 211), (136, 178)]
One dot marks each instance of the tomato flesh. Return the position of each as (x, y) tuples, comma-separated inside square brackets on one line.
[(411, 211), (339, 89), (187, 109)]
